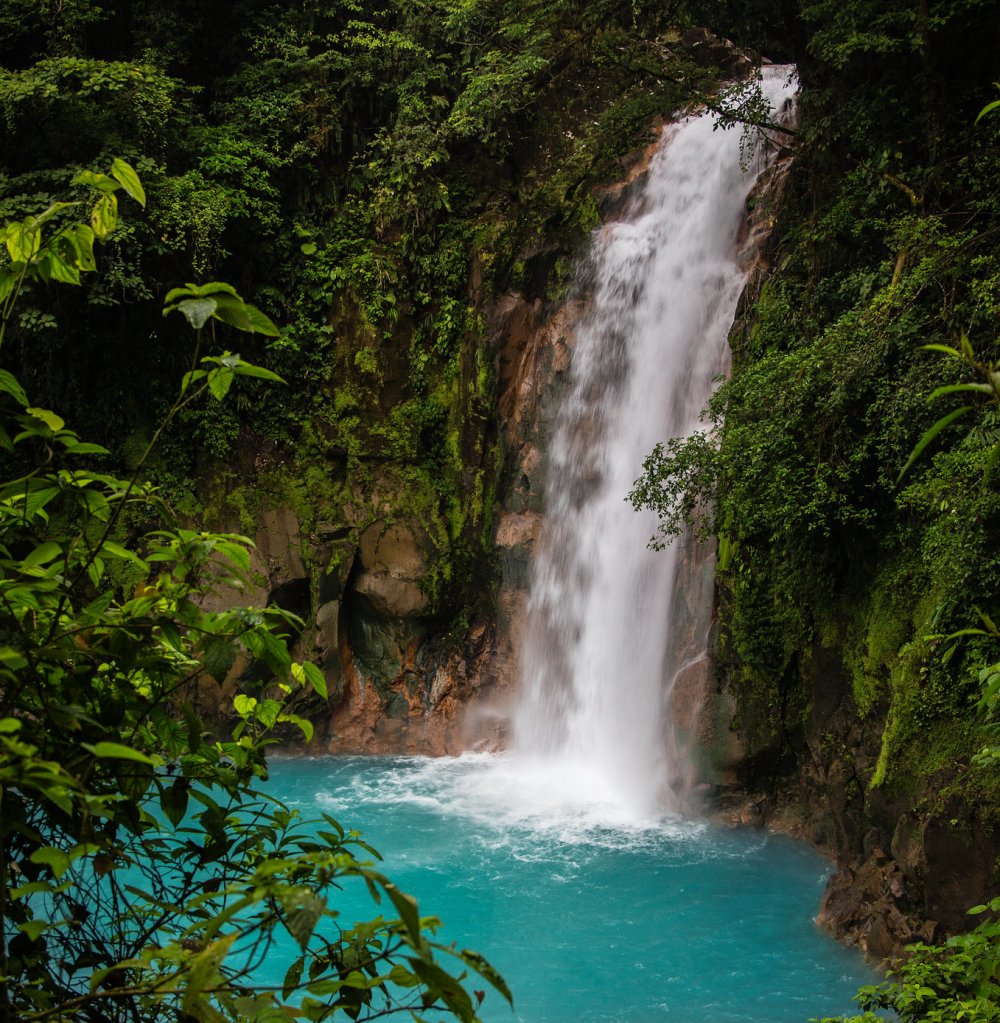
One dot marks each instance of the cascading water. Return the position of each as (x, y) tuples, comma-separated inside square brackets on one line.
[(601, 647)]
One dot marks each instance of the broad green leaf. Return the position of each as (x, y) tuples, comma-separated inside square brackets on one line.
[(174, 295), (309, 674), (232, 310), (23, 241), (292, 977), (55, 859), (116, 751), (41, 555), (33, 495), (57, 268), (219, 382), (47, 214), (77, 447), (400, 975), (95, 570), (9, 385), (243, 316), (198, 291), (988, 109), (50, 419), (444, 986), (8, 281), (213, 288), (488, 972), (247, 369), (82, 236), (325, 987), (203, 971), (267, 647), (406, 907), (267, 712), (174, 800), (236, 551), (104, 217), (302, 919), (116, 550), (218, 655), (304, 726), (260, 323), (34, 929), (197, 310), (955, 388), (191, 377), (97, 504), (93, 179), (129, 180), (36, 887), (244, 705), (261, 1009)]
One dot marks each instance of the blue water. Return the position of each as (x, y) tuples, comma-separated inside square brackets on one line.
[(589, 919)]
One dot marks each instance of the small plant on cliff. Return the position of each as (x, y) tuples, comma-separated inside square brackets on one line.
[(958, 982), (144, 876), (982, 395)]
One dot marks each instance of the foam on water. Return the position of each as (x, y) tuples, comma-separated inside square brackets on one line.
[(504, 794)]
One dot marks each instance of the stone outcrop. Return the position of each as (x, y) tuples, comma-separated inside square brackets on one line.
[(868, 906), (394, 560), (908, 865)]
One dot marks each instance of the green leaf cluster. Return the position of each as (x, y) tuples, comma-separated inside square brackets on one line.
[(142, 873), (949, 983)]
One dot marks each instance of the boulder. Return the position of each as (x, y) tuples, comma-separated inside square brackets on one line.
[(868, 907), (394, 559), (516, 537)]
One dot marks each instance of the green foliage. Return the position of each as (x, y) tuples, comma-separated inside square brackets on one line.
[(952, 983), (142, 874)]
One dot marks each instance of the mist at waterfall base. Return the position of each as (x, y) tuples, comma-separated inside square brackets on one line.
[(567, 861), (590, 920)]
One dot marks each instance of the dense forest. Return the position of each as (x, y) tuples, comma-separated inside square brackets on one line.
[(368, 179)]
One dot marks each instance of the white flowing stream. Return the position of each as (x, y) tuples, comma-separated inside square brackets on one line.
[(602, 645)]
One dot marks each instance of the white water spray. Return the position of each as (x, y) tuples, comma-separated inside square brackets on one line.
[(601, 649)]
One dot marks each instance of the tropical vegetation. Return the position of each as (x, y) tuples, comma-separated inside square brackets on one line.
[(370, 176)]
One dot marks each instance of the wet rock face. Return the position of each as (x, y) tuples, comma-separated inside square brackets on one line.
[(394, 560), (869, 906), (937, 866), (949, 857), (533, 347), (908, 868)]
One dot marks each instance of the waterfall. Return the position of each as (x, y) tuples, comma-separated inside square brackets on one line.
[(603, 644)]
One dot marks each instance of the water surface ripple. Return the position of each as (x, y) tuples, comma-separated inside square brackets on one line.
[(591, 918)]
